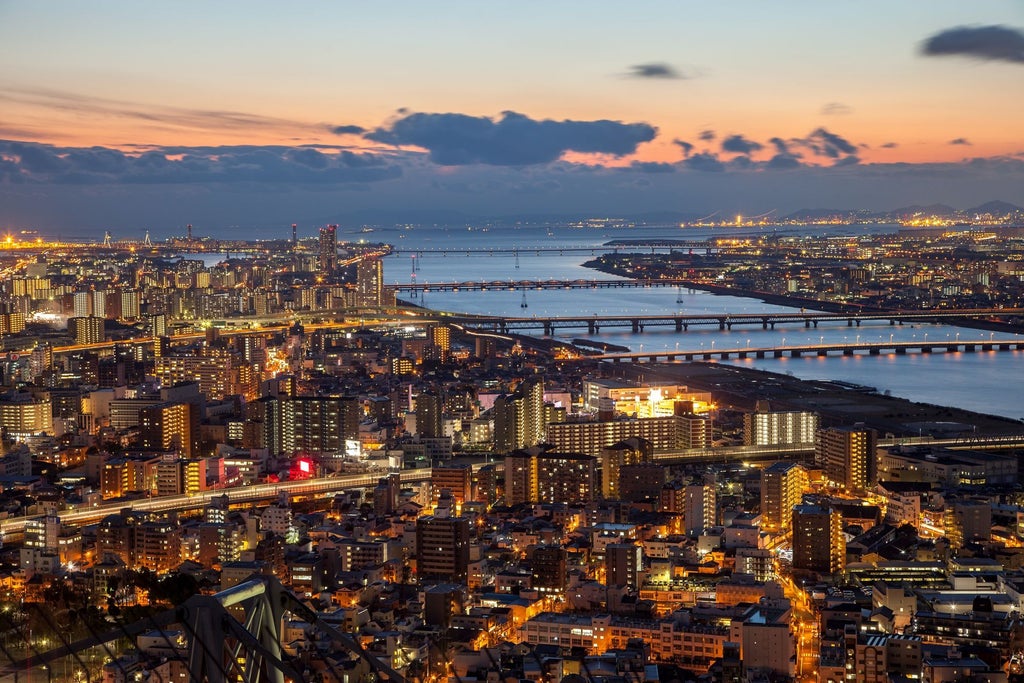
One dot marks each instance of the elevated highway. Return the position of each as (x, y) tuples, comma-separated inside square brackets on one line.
[(80, 516)]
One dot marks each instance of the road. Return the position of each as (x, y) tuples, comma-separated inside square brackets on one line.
[(241, 494)]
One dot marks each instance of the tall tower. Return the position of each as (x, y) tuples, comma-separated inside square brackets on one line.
[(328, 253), (295, 235), (189, 228), (369, 283)]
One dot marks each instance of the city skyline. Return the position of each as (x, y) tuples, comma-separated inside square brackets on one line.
[(158, 116)]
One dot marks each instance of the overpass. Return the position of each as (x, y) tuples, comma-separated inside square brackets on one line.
[(898, 348), (13, 526), (723, 321)]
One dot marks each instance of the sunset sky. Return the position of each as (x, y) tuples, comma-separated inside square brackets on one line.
[(123, 115)]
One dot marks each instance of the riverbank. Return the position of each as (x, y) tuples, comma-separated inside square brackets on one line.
[(837, 403)]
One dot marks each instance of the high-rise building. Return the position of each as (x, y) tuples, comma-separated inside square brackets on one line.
[(849, 457), (457, 478), (968, 520), (170, 426), (519, 417), (130, 304), (82, 304), (818, 541), (669, 433), (370, 283), (319, 424), (536, 475), (547, 564), (782, 487), (699, 507), (775, 428), (623, 563), (442, 548), (23, 415), (627, 452), (429, 408), (87, 330), (327, 260)]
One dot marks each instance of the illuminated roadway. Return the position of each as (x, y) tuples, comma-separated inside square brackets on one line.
[(239, 494)]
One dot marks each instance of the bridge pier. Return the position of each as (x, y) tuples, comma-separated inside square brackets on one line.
[(679, 324), (591, 327), (900, 351), (794, 353), (849, 322), (1004, 347), (635, 325), (549, 329), (986, 347), (822, 352), (926, 349), (741, 354), (807, 322), (875, 352), (721, 324), (764, 323), (776, 354), (847, 352), (969, 348), (952, 348), (760, 354)]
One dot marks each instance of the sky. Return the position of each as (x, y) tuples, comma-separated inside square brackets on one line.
[(252, 115)]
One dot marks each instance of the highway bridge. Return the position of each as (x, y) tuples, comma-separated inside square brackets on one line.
[(723, 321), (542, 249), (523, 285), (845, 348)]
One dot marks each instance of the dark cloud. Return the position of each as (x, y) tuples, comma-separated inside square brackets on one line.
[(850, 160), (655, 70), (706, 135), (512, 140), (652, 167), (687, 147), (836, 109), (890, 145), (996, 43), (704, 161), (740, 145), (781, 146), (38, 163), (829, 144), (348, 130), (960, 141), (783, 161)]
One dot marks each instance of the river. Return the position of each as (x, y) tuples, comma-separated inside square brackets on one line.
[(979, 381)]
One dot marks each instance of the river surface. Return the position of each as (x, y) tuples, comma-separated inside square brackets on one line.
[(985, 382)]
